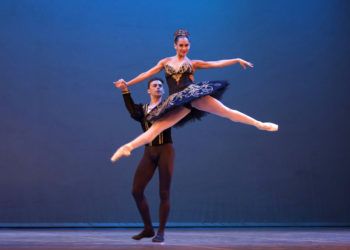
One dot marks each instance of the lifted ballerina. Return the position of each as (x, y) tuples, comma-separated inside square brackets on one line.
[(187, 99)]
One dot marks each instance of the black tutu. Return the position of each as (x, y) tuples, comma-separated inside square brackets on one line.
[(185, 97)]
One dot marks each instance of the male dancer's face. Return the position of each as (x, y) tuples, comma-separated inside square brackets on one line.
[(156, 89)]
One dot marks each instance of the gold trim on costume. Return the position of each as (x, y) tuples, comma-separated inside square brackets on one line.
[(146, 123)]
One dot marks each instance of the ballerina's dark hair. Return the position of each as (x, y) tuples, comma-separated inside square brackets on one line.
[(181, 33)]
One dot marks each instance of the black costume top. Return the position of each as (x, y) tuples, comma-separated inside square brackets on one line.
[(183, 90), (138, 112)]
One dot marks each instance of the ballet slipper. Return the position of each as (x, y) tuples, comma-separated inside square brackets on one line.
[(159, 238), (267, 126), (143, 234), (123, 151)]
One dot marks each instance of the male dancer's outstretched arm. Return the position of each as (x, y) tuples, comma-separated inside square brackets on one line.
[(135, 110)]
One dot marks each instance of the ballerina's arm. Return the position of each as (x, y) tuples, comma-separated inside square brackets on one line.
[(146, 74), (199, 64)]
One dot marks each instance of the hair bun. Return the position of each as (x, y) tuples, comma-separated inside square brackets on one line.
[(181, 32)]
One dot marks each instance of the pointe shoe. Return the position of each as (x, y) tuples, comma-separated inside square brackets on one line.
[(123, 151), (268, 126)]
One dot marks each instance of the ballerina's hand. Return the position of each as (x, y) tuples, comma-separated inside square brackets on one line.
[(245, 64), (121, 83)]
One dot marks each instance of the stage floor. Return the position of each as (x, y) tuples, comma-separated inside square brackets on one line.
[(189, 239)]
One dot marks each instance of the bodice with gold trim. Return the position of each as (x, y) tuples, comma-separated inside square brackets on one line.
[(178, 79)]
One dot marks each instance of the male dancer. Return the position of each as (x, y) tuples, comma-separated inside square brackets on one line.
[(159, 153)]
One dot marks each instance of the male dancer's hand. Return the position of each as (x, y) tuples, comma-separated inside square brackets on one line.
[(121, 84)]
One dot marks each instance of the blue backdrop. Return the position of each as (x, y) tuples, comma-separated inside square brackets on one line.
[(62, 118)]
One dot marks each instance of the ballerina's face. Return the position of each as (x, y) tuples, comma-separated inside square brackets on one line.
[(156, 88), (182, 46)]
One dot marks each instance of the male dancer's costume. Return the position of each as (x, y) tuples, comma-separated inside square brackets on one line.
[(159, 153)]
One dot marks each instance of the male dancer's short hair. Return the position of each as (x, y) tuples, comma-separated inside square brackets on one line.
[(154, 79)]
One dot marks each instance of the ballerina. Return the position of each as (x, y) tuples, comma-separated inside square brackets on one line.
[(188, 100)]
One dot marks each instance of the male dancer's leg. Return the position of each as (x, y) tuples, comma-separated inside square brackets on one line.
[(165, 170), (143, 175)]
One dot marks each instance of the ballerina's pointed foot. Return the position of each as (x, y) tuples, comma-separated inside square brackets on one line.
[(268, 126), (123, 151)]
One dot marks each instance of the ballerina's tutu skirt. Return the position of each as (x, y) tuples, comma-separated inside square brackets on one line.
[(184, 97)]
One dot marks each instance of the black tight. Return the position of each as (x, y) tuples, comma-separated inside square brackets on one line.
[(153, 157)]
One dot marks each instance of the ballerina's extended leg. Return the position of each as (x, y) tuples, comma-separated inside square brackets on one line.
[(214, 106), (169, 120)]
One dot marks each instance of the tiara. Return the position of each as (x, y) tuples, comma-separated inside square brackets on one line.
[(181, 32)]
